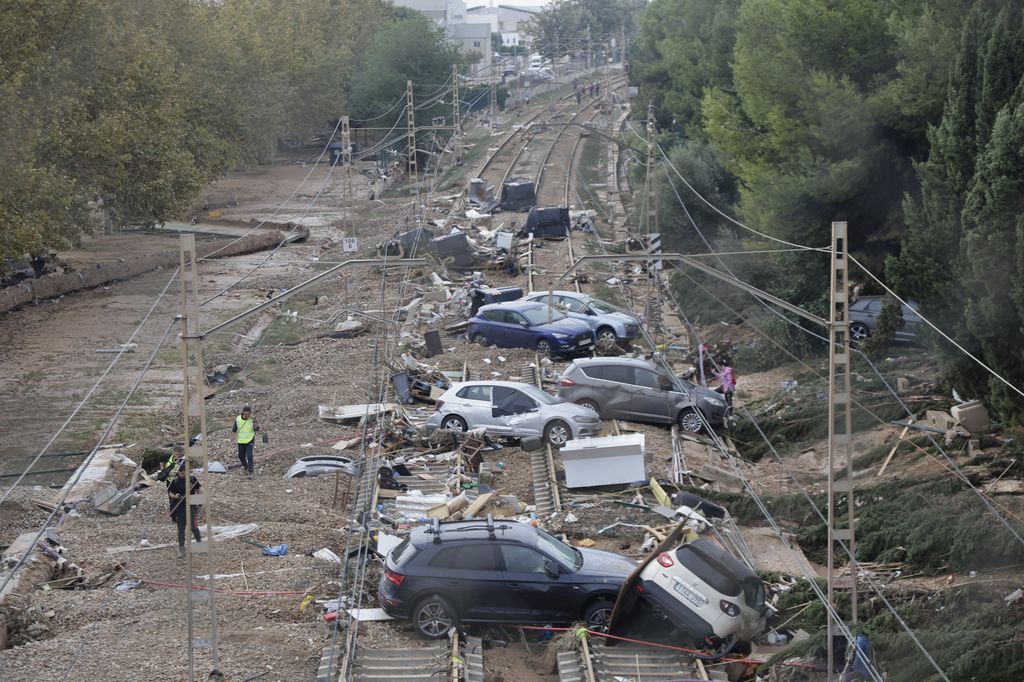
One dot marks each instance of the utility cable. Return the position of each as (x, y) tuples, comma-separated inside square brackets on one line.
[(59, 505)]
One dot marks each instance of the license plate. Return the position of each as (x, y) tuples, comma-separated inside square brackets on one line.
[(689, 594)]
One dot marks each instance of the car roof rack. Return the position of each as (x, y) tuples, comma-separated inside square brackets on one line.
[(435, 529)]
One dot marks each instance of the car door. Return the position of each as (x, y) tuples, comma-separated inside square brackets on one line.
[(470, 575), (532, 595), (911, 326), (474, 404), (612, 383), (650, 402), (514, 413), (519, 331)]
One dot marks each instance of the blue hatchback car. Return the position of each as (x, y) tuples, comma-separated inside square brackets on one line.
[(522, 324)]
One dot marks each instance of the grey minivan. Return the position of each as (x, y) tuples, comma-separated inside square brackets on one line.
[(637, 390)]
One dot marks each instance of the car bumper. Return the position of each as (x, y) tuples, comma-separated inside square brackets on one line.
[(587, 430), (677, 612), (390, 601), (434, 420)]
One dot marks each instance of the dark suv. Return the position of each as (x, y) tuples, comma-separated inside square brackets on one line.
[(497, 572)]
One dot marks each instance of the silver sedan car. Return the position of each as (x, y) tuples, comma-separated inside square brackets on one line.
[(513, 410), (610, 326)]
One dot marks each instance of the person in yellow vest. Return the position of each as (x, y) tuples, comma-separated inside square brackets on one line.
[(246, 427)]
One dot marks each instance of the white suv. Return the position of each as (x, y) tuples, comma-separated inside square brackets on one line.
[(707, 593)]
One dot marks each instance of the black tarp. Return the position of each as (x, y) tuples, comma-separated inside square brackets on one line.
[(453, 246), (547, 223), (486, 295), (518, 195), (408, 240)]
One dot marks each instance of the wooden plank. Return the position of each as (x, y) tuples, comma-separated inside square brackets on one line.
[(888, 458), (478, 504)]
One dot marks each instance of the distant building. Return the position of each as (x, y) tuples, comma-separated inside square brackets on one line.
[(474, 38), (441, 12), (511, 22)]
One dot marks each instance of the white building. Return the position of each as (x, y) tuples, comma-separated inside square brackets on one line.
[(511, 22), (442, 12), (474, 38)]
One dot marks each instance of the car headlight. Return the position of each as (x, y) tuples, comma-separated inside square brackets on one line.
[(582, 419), (716, 402), (560, 336)]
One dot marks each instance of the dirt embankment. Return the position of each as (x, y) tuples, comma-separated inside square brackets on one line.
[(57, 284)]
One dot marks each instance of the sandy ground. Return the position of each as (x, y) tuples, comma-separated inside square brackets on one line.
[(48, 363)]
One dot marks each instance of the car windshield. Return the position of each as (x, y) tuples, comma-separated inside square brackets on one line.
[(539, 395), (601, 308), (566, 555), (537, 316)]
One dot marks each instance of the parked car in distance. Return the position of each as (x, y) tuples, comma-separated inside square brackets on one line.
[(706, 593), (610, 326), (864, 314), (497, 572), (512, 410), (637, 390), (522, 324)]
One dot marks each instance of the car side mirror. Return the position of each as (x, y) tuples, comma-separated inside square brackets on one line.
[(666, 387), (524, 323), (552, 569)]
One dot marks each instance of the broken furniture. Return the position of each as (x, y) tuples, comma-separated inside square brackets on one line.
[(344, 413), (604, 461), (547, 223), (481, 195), (518, 195)]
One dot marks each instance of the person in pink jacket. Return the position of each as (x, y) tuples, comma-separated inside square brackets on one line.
[(726, 380)]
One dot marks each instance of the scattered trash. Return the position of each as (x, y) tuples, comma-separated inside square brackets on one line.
[(364, 615), (217, 468), (322, 554), (571, 518), (276, 550), (586, 542), (126, 585)]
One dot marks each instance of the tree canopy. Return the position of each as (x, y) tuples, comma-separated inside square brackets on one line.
[(902, 117), (124, 109)]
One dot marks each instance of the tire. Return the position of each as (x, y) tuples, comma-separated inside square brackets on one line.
[(454, 422), (433, 617), (598, 615), (606, 338), (859, 332), (691, 421), (587, 402), (544, 347), (479, 339), (557, 433)]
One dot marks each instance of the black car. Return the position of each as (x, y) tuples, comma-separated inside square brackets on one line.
[(497, 572)]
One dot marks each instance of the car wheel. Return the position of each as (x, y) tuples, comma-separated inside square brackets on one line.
[(479, 339), (454, 422), (691, 421), (544, 347), (557, 433), (433, 617), (606, 338), (587, 402), (598, 615), (859, 331)]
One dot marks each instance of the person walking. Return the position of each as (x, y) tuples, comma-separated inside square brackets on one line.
[(176, 498), (246, 427), (727, 380)]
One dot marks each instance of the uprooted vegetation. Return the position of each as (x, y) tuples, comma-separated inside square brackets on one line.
[(967, 628), (797, 416)]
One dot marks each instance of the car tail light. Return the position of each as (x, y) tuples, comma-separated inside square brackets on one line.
[(438, 404), (728, 608), (665, 559), (396, 578), (566, 382), (638, 587)]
